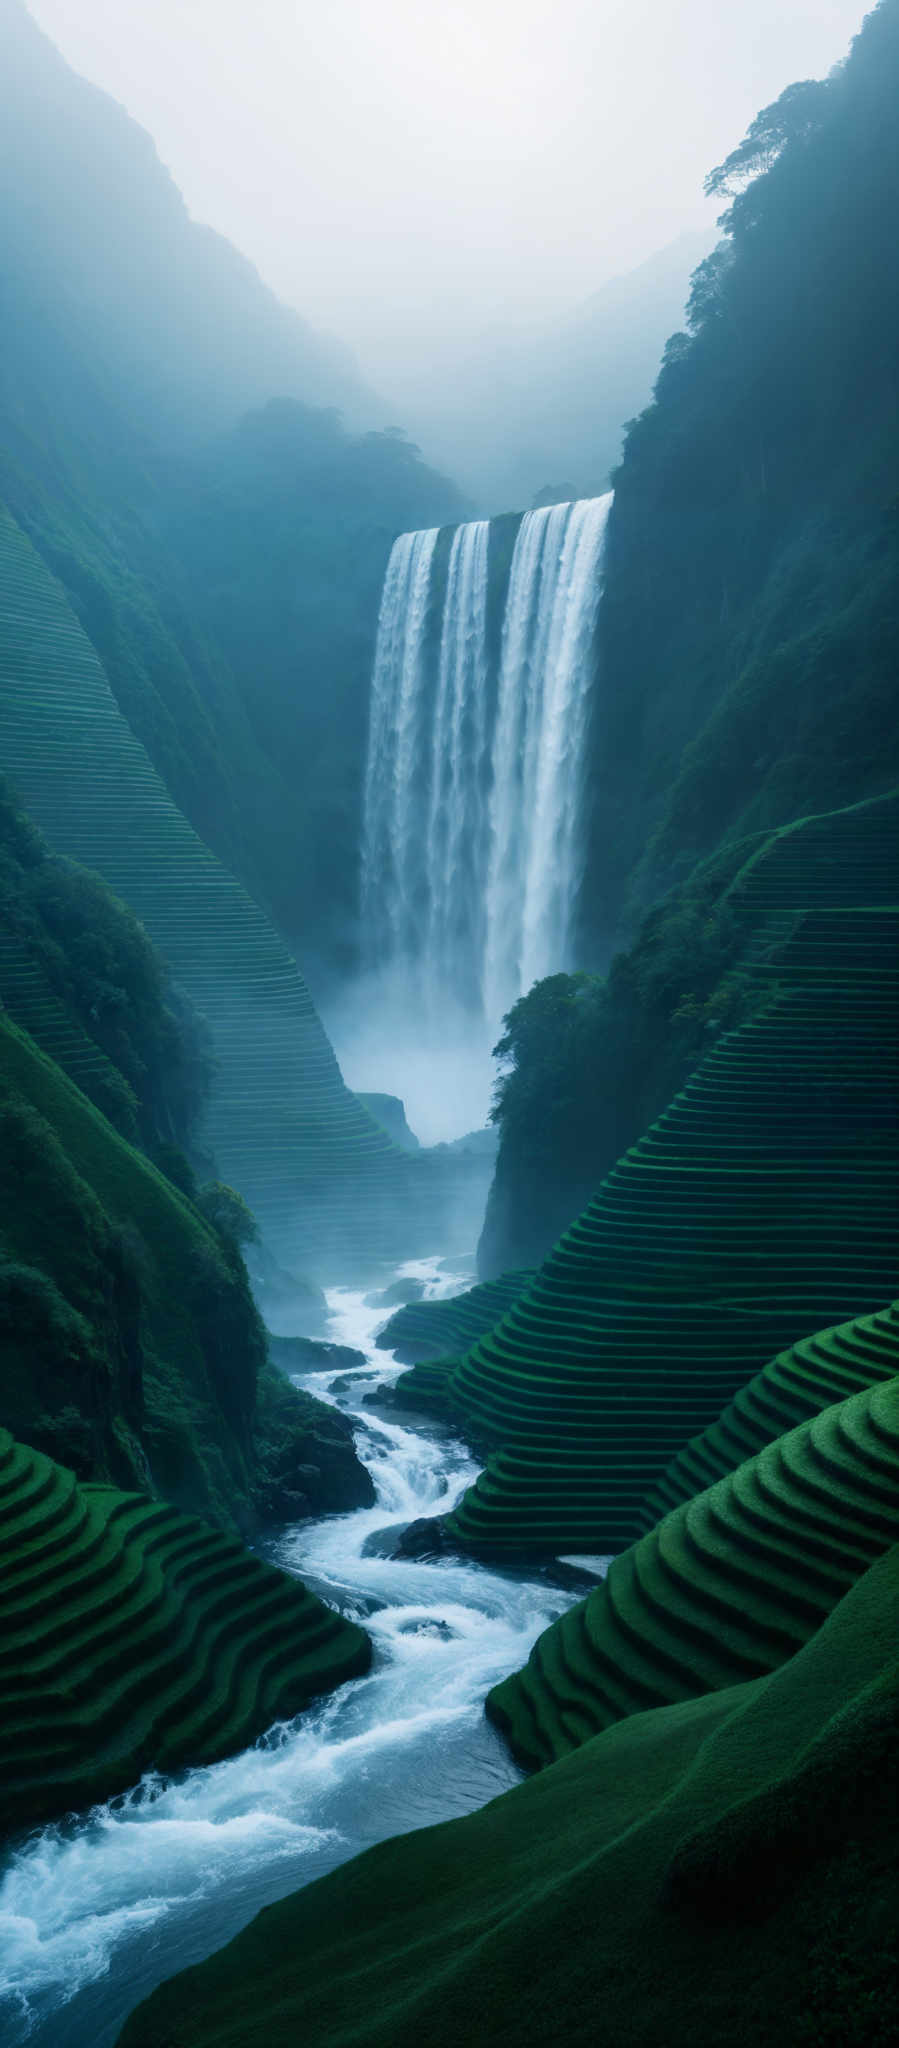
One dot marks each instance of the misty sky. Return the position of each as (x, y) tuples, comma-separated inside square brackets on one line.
[(409, 172)]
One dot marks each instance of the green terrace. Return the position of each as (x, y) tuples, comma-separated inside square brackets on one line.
[(135, 1637)]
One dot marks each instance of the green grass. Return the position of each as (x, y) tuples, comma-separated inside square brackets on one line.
[(433, 1334), (722, 1870), (724, 1588), (758, 1206), (134, 1636)]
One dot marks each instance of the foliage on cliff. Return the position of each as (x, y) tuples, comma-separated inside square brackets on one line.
[(750, 626)]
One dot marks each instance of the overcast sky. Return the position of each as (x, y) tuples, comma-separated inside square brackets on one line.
[(408, 171)]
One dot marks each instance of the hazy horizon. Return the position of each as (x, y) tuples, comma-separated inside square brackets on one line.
[(414, 184)]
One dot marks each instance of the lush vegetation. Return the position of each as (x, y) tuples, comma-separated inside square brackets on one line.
[(750, 624), (722, 1869), (79, 972), (136, 1637)]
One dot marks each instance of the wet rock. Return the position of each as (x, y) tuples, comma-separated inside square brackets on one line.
[(425, 1537), (310, 1354), (397, 1294)]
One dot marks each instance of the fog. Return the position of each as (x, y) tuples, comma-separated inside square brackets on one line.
[(414, 177)]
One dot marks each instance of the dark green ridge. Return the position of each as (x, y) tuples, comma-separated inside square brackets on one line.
[(724, 1870), (321, 1175), (795, 1386), (724, 1588), (121, 1307), (761, 1204), (430, 1329), (135, 1637)]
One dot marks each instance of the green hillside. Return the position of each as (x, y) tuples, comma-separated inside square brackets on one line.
[(795, 1386), (321, 1175), (759, 1205), (134, 1637), (723, 1588), (129, 1329), (79, 974), (750, 623), (720, 1870)]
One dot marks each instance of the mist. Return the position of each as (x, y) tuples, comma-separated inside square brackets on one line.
[(424, 181), (440, 1066)]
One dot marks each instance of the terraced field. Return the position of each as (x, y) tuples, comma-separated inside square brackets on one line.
[(723, 1589), (813, 1374), (134, 1636), (435, 1333), (282, 1125), (760, 1205)]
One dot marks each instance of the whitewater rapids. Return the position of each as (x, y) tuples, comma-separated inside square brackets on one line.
[(97, 1910)]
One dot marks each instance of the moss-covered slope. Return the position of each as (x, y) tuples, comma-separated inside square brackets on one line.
[(761, 1204), (134, 1636), (129, 1332), (723, 1588), (721, 1870), (313, 1165)]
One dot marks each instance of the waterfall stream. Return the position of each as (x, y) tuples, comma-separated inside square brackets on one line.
[(96, 1910), (472, 825)]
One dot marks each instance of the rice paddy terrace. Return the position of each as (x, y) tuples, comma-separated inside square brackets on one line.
[(135, 1637), (440, 1329), (281, 1123), (760, 1205), (724, 1588), (795, 1386)]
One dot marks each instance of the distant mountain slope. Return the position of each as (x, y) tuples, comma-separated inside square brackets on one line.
[(169, 442), (529, 408), (167, 311), (322, 1176)]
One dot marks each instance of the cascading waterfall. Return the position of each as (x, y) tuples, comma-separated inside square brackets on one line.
[(471, 838)]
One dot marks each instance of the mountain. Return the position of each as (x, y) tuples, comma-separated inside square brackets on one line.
[(547, 406), (172, 322), (749, 629), (171, 441)]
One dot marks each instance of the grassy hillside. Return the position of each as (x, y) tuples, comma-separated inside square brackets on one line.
[(135, 1637), (750, 624), (720, 1870), (724, 1588), (759, 1205)]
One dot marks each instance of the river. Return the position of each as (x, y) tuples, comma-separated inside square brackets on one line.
[(95, 1911)]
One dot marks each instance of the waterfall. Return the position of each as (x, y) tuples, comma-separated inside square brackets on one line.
[(473, 796)]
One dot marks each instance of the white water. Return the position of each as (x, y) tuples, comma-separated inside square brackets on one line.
[(95, 1912), (472, 852)]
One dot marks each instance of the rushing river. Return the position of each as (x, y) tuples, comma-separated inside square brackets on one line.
[(94, 1912)]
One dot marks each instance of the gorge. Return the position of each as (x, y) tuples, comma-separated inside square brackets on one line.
[(449, 967)]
